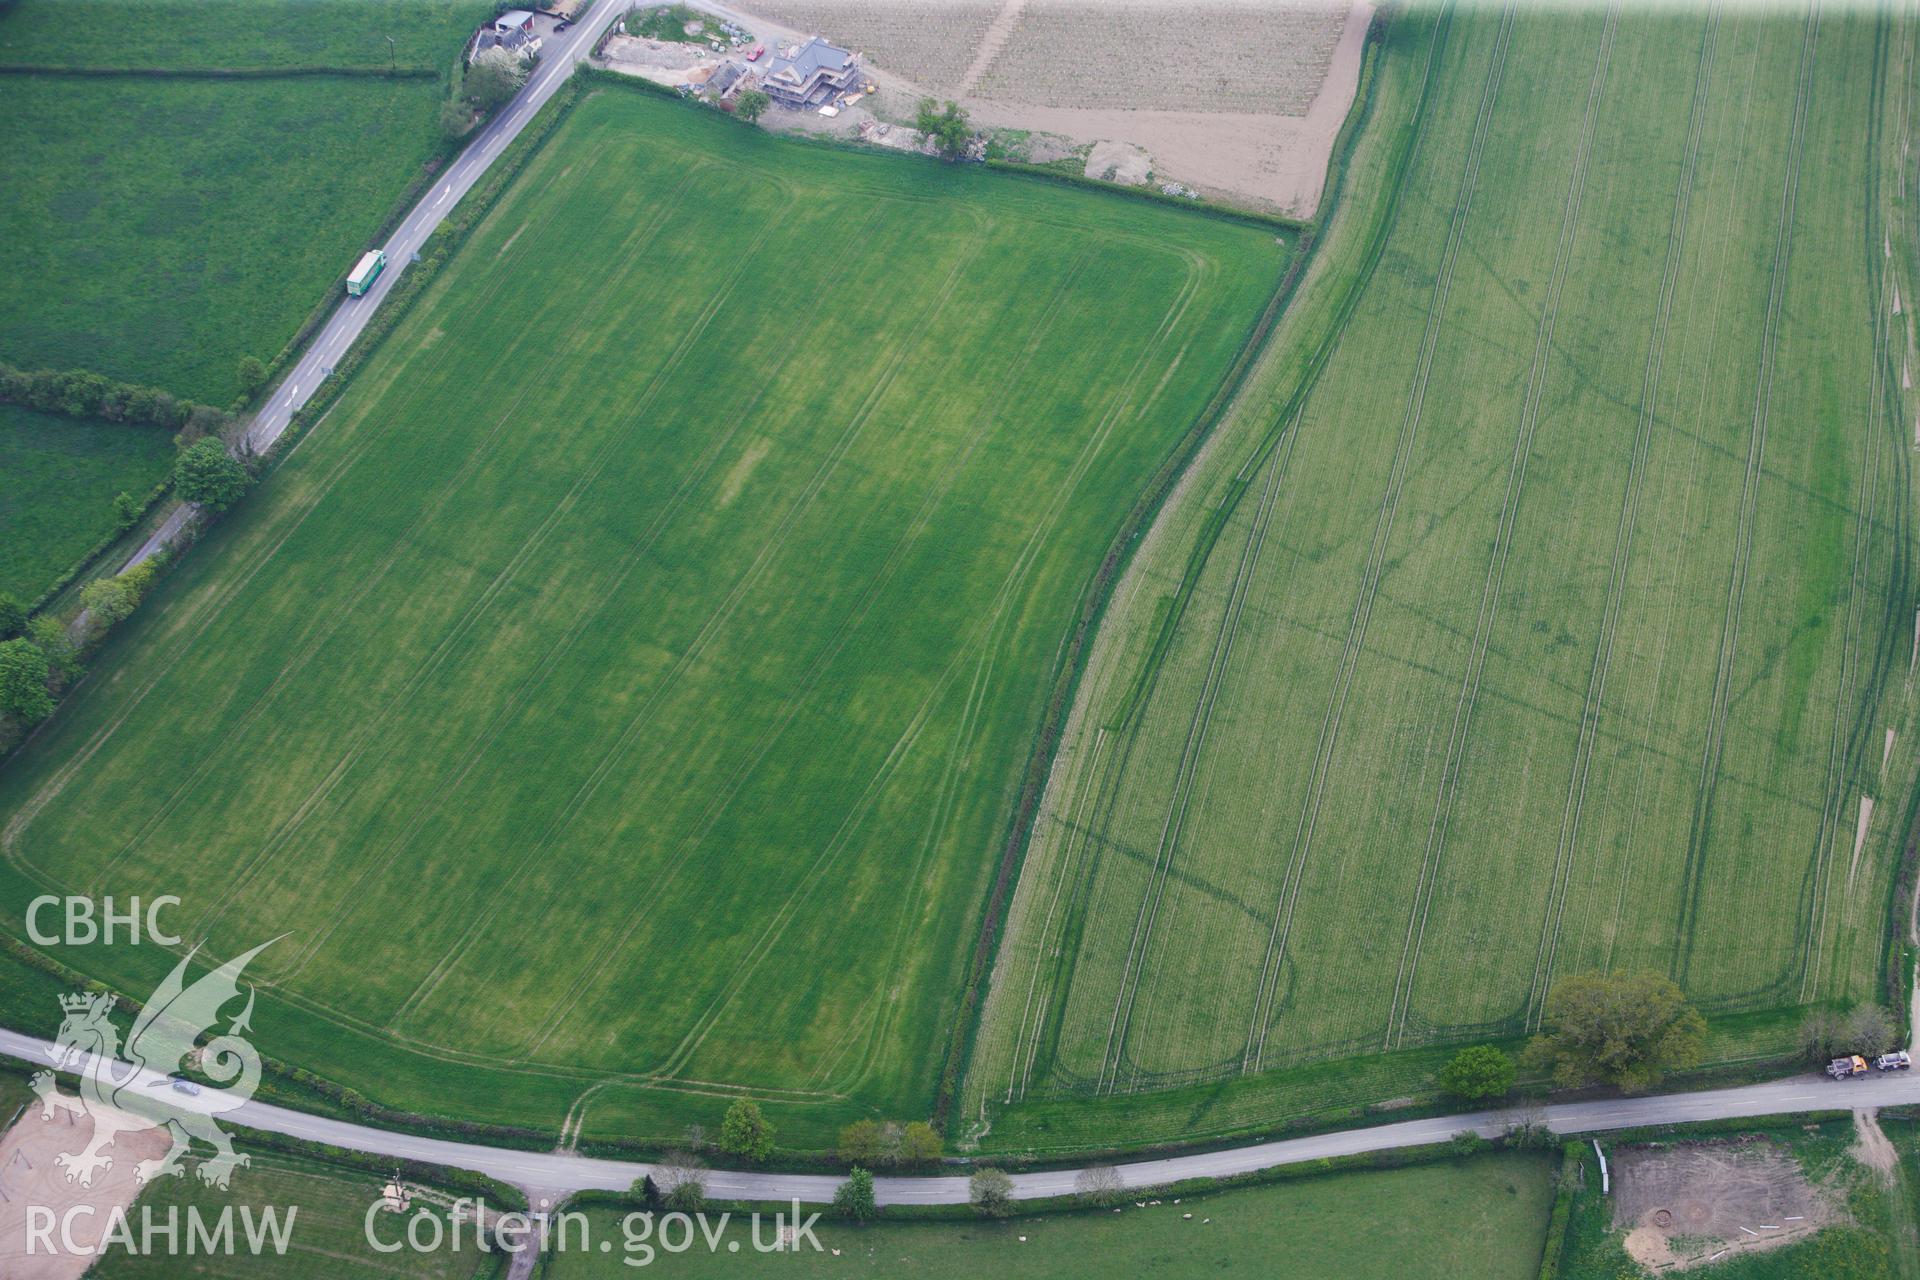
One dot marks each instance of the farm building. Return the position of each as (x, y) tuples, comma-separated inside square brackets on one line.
[(520, 20), (726, 78), (804, 75)]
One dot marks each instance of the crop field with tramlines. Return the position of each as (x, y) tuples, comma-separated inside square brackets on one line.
[(628, 683), (1545, 604)]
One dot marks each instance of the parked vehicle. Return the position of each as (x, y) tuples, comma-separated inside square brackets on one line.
[(371, 264), (1898, 1060), (1848, 1067), (756, 53)]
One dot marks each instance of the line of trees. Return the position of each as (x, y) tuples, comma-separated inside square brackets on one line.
[(867, 1143), (1621, 1029), (81, 393)]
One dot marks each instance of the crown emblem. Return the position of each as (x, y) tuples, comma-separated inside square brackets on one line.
[(81, 1001)]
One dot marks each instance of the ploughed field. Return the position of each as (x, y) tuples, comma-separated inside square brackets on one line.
[(629, 682), (1544, 606)]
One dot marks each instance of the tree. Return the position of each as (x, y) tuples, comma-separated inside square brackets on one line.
[(696, 1135), (854, 1197), (495, 76), (1820, 1034), (108, 601), (1867, 1030), (745, 1132), (1530, 1133), (948, 130), (207, 474), (49, 636), (456, 117), (1099, 1184), (918, 1144), (1476, 1072), (862, 1142), (750, 104), (688, 1195), (24, 672), (1466, 1143), (126, 510), (990, 1191), (252, 374), (13, 617), (647, 1192), (683, 1181), (1619, 1029)]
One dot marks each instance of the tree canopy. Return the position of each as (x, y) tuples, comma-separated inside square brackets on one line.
[(1622, 1029), (744, 1131), (991, 1192), (947, 128), (207, 474), (751, 104), (495, 76), (23, 682), (1476, 1072), (854, 1197)]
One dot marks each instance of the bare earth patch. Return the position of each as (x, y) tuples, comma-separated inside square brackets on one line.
[(1120, 162), (1689, 1205), (29, 1177), (1872, 1148), (1241, 102)]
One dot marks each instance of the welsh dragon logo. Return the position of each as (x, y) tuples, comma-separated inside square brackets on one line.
[(131, 1089)]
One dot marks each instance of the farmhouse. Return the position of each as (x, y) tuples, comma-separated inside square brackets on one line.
[(804, 75)]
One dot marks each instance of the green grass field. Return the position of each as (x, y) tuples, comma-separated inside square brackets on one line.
[(157, 230), (1543, 606), (197, 34), (1485, 1218), (628, 684), (58, 478), (327, 1238)]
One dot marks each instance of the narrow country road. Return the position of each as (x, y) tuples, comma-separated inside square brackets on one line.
[(549, 1177), (558, 54)]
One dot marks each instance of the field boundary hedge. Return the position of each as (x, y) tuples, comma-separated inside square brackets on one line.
[(1153, 195), (1571, 1156)]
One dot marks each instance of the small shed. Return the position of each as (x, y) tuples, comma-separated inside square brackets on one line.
[(514, 20)]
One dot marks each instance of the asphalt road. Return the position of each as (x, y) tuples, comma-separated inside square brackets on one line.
[(549, 1177), (558, 54)]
